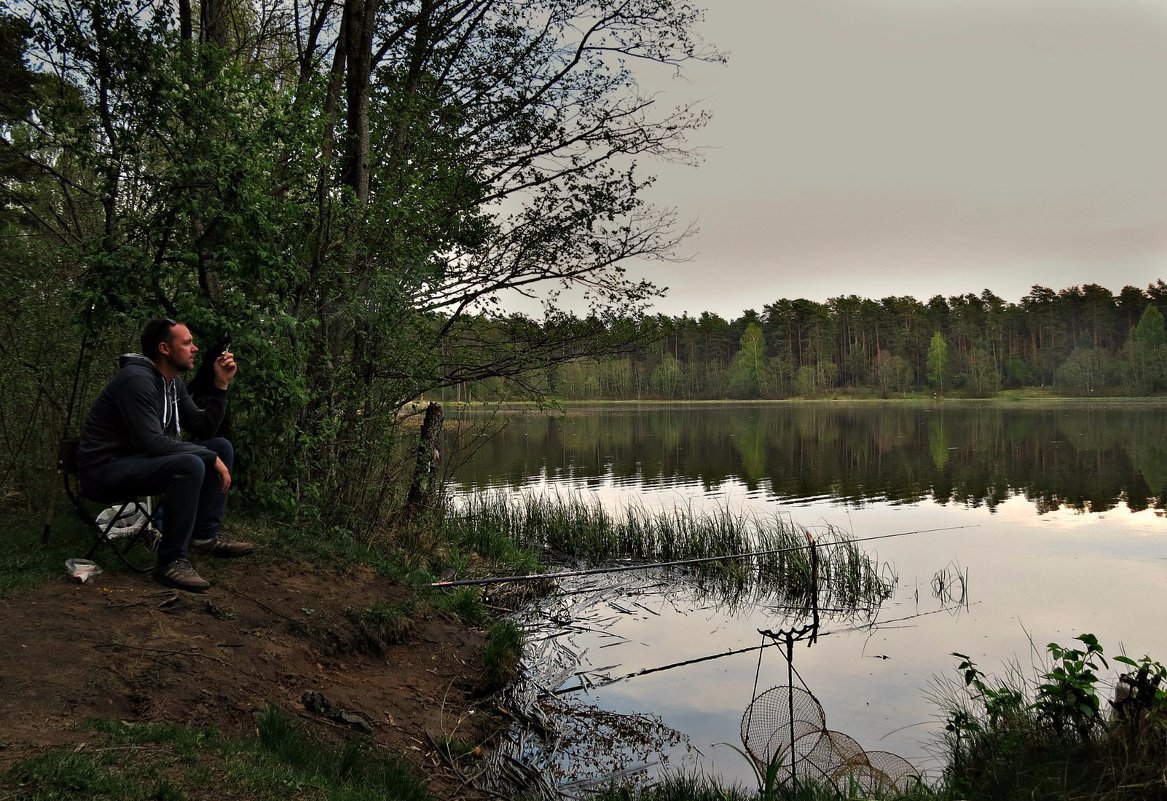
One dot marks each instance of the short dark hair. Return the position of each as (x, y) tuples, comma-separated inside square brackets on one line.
[(154, 334)]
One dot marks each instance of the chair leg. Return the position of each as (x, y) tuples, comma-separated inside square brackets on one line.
[(137, 550)]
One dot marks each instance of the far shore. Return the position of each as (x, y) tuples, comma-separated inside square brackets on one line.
[(1011, 400)]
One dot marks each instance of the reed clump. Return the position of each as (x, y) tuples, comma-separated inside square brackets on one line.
[(783, 561)]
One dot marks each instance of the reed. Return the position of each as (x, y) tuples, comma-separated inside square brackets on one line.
[(574, 529)]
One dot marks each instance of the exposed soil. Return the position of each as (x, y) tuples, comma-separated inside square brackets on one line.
[(123, 647)]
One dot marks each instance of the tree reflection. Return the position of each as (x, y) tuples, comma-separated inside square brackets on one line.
[(1085, 458)]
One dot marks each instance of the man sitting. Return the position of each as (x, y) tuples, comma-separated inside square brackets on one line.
[(130, 446)]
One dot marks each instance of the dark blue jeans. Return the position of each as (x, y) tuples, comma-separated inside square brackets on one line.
[(193, 506)]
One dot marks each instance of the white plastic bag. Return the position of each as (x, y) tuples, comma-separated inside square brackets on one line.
[(81, 570)]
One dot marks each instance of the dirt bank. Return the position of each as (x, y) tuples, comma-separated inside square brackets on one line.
[(124, 648)]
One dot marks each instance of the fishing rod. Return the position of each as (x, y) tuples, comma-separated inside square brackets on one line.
[(874, 625), (676, 562)]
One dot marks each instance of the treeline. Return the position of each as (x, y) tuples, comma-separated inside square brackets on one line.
[(1082, 340)]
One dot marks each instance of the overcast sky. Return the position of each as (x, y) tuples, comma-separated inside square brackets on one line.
[(891, 147)]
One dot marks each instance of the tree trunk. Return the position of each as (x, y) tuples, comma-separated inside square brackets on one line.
[(215, 15), (428, 455), (358, 45)]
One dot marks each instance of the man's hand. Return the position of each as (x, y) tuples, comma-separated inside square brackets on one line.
[(224, 475), (225, 369)]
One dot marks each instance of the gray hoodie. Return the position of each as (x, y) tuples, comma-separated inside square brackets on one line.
[(139, 413)]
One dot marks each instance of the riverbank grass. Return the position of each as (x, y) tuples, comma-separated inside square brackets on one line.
[(174, 763), (700, 788)]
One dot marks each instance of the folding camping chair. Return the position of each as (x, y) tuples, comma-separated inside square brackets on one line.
[(126, 528)]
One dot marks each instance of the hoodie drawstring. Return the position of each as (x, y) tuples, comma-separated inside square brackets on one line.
[(170, 407)]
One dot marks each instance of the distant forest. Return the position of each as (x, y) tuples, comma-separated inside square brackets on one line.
[(1083, 340)]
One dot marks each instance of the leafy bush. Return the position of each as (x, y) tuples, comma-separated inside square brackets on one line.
[(1051, 736)]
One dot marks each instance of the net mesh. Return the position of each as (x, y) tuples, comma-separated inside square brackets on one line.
[(766, 724), (786, 726)]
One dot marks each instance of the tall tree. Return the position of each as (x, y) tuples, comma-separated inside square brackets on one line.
[(1146, 350), (937, 361), (485, 147), (749, 376)]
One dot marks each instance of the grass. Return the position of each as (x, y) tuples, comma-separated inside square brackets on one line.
[(701, 788), (25, 562), (284, 760), (465, 603), (384, 624), (174, 763), (501, 655), (578, 528), (678, 788)]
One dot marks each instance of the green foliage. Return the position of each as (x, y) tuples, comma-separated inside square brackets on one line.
[(1150, 331), (1067, 700), (1080, 339), (465, 602), (937, 361), (1146, 351), (1065, 705), (501, 655), (667, 376), (384, 624), (891, 373), (353, 253), (1086, 371), (982, 377), (283, 760), (1001, 703), (1051, 736), (748, 375)]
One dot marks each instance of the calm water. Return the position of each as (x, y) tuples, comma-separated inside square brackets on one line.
[(1054, 514)]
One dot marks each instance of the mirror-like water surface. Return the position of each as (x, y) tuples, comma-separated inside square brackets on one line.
[(1055, 515)]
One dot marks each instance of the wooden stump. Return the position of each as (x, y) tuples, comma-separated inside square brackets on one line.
[(428, 456)]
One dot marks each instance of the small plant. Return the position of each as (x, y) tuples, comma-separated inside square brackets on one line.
[(999, 702), (383, 624), (768, 782), (1050, 736), (1067, 700), (500, 657), (456, 747), (465, 602), (1140, 691)]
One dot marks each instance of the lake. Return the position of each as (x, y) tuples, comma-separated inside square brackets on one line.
[(1053, 512)]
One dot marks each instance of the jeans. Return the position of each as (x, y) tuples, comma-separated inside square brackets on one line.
[(193, 506)]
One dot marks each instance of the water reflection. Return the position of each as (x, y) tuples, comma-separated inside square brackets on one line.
[(1088, 458), (1053, 518)]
